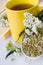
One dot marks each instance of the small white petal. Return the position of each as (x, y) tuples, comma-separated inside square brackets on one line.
[(28, 32), (27, 23), (25, 40), (34, 29), (15, 53), (27, 15)]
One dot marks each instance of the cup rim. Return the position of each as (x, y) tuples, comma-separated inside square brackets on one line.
[(21, 10)]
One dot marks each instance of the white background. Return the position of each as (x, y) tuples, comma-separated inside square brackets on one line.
[(19, 60)]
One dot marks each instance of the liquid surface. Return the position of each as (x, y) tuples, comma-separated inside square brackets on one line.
[(21, 7)]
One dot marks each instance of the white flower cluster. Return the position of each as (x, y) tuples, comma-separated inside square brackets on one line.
[(3, 22), (25, 40), (32, 22), (28, 31)]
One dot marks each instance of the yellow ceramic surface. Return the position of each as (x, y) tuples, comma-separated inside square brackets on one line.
[(40, 8), (7, 34), (16, 17)]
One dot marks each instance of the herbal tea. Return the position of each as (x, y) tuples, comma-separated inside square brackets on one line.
[(21, 7)]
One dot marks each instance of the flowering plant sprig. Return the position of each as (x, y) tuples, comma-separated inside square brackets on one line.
[(32, 24)]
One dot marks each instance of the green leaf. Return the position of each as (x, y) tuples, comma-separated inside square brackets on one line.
[(11, 48), (5, 17), (40, 15), (9, 53), (12, 59), (21, 33)]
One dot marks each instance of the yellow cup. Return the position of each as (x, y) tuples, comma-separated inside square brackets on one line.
[(16, 17)]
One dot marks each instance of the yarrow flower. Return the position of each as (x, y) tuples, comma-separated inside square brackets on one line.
[(27, 15), (27, 31), (25, 40), (32, 22)]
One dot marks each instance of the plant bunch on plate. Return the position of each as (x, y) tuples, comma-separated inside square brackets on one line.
[(32, 42)]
